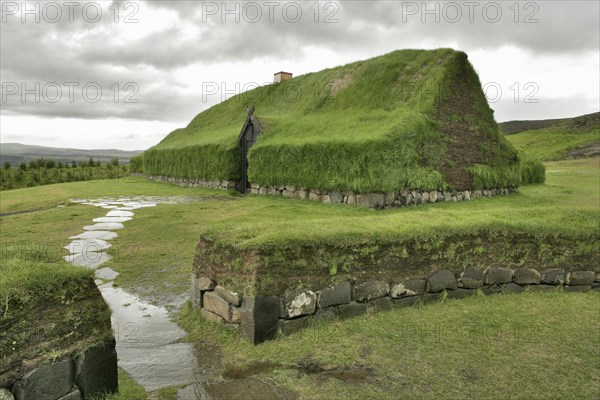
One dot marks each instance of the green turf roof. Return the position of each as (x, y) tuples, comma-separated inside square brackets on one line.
[(386, 113)]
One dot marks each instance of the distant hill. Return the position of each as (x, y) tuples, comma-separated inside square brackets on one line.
[(16, 153), (513, 127), (556, 139)]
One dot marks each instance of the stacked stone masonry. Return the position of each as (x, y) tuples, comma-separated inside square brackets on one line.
[(225, 185), (89, 374), (261, 318), (401, 198)]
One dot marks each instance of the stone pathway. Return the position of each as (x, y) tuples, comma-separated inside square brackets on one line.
[(148, 344), (88, 249)]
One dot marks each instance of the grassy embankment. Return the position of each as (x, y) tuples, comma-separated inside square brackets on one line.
[(49, 309)]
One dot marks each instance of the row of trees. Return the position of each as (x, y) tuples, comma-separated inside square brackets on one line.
[(44, 172), (47, 163)]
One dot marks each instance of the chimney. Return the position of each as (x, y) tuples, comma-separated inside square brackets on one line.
[(282, 76)]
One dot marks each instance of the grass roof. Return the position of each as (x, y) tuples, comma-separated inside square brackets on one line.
[(411, 118)]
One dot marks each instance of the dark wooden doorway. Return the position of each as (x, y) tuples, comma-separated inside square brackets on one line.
[(248, 136)]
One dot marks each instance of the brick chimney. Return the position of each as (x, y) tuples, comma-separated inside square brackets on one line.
[(282, 76)]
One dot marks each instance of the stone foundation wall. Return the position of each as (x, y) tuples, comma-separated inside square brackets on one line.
[(90, 373), (225, 185), (261, 318), (399, 198)]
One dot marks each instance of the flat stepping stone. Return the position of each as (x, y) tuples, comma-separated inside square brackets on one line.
[(106, 273), (104, 226), (112, 219), (89, 260), (139, 204), (80, 245), (102, 235), (119, 213), (105, 285)]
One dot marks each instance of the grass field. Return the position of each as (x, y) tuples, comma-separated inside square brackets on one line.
[(524, 346), (50, 196), (567, 205)]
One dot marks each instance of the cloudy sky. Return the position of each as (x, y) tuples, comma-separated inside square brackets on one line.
[(124, 74)]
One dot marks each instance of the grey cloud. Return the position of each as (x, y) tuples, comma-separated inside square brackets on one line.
[(545, 108), (16, 137), (153, 103), (540, 27), (84, 52), (39, 53), (8, 137)]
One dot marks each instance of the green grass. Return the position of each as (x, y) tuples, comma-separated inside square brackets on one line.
[(557, 332), (48, 309), (129, 389), (551, 144), (49, 228), (554, 142), (15, 178), (31, 276), (566, 206), (525, 346), (532, 170), (58, 194), (376, 125)]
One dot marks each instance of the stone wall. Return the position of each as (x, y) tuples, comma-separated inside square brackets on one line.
[(91, 372), (225, 185), (400, 198), (261, 318)]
